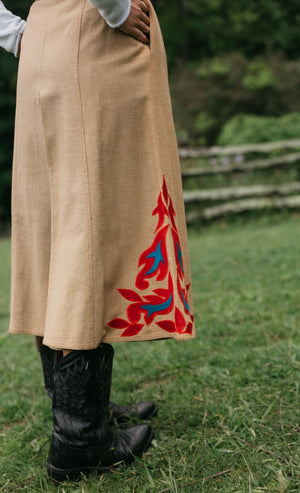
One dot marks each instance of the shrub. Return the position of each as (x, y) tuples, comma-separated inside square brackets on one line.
[(207, 95), (247, 129)]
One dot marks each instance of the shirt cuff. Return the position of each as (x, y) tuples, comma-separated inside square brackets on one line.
[(18, 39), (115, 12), (117, 21)]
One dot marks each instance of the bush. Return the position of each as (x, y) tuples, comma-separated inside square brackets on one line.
[(250, 129), (207, 95)]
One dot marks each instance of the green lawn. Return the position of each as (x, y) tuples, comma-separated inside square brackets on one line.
[(229, 400)]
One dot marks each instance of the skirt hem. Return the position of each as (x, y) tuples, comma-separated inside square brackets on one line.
[(59, 345)]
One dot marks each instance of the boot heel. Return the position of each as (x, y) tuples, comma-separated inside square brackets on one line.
[(59, 475)]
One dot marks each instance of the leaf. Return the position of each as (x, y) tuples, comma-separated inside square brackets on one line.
[(165, 191), (283, 482), (179, 320), (130, 295), (118, 323), (134, 312), (161, 210), (163, 293), (36, 444), (167, 325), (154, 300), (132, 330), (189, 329)]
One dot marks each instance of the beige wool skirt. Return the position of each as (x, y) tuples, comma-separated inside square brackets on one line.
[(99, 243)]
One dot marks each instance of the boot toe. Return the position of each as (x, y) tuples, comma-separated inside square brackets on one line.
[(141, 410), (132, 443), (146, 410)]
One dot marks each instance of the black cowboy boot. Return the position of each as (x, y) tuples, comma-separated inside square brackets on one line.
[(47, 358), (117, 414), (82, 441), (122, 414)]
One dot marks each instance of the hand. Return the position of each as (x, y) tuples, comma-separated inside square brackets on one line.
[(137, 23)]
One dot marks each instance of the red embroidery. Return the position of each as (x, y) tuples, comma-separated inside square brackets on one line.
[(154, 263), (154, 260)]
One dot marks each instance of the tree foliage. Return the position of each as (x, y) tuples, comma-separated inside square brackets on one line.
[(196, 29), (209, 93), (251, 129)]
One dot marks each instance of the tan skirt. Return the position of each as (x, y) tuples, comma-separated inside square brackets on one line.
[(99, 245)]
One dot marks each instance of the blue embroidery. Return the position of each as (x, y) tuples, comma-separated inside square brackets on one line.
[(184, 301), (158, 258), (179, 253), (158, 308)]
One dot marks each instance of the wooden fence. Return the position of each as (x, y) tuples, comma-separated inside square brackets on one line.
[(216, 202)]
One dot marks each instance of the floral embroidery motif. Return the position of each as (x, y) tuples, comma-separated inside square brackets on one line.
[(144, 308)]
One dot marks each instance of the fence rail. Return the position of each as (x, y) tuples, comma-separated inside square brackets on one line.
[(244, 167), (241, 149), (239, 206), (216, 194), (237, 199)]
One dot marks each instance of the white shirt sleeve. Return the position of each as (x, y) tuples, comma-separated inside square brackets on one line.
[(11, 30), (115, 12)]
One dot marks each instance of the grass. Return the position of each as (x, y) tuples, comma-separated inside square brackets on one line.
[(229, 400)]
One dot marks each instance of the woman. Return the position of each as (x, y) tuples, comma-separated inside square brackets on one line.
[(99, 245)]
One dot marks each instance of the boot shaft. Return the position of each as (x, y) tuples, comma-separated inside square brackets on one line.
[(81, 392), (47, 358)]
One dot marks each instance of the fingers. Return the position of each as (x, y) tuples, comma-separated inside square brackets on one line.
[(144, 34), (145, 18), (143, 27), (144, 8), (138, 22), (140, 36), (143, 24)]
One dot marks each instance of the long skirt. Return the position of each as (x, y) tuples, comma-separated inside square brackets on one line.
[(99, 242)]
